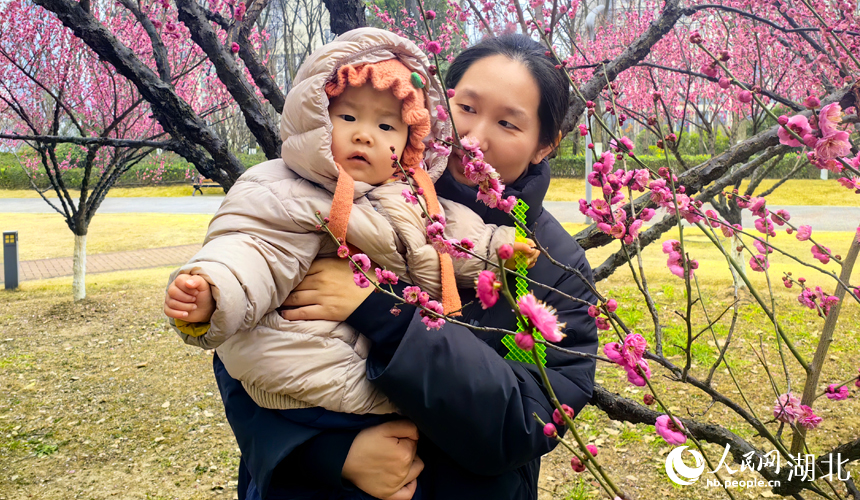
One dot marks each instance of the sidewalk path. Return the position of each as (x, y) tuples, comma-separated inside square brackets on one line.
[(821, 218), (106, 262)]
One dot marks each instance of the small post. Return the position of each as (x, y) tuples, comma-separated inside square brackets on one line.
[(10, 259), (823, 174)]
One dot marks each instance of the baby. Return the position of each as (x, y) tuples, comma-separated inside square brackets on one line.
[(353, 100)]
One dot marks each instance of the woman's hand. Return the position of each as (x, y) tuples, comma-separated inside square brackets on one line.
[(327, 292), (382, 460)]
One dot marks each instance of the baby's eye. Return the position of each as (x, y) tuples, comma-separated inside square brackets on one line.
[(348, 118), (386, 127)]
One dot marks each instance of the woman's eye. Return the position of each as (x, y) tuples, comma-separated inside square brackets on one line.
[(467, 108), (348, 118), (507, 124), (386, 127)]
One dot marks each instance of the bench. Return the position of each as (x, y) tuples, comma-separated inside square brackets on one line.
[(202, 182)]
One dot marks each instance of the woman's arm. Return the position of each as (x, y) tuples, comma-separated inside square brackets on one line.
[(282, 454)]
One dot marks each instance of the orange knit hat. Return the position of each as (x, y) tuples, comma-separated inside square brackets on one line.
[(406, 86)]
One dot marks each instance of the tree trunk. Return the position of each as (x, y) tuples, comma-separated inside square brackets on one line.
[(345, 15), (79, 267)]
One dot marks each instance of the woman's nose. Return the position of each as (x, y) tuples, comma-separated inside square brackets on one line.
[(477, 130)]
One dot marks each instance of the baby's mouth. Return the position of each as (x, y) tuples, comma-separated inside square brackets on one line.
[(359, 157)]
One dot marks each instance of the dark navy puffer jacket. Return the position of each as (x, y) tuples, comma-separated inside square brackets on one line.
[(474, 408)]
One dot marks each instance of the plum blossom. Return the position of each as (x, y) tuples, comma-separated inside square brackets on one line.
[(803, 233), (433, 47), (799, 124), (787, 408), (542, 316), (385, 277), (557, 417), (487, 287), (808, 419), (829, 117), (821, 253), (414, 295), (576, 464), (524, 341), (430, 319), (672, 430), (835, 393), (759, 263), (411, 198), (833, 145), (362, 260)]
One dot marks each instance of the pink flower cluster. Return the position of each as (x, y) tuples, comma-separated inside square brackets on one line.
[(615, 222), (629, 356), (544, 319), (490, 187), (670, 429), (596, 313), (487, 287), (676, 259), (817, 299), (826, 140), (837, 393), (789, 410), (432, 312), (436, 237)]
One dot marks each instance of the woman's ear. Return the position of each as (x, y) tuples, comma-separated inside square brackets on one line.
[(542, 153)]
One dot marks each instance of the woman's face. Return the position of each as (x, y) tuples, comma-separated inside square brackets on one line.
[(496, 102)]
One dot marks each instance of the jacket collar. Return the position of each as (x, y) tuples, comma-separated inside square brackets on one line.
[(531, 187)]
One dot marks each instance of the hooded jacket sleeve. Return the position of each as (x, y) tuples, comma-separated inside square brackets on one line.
[(253, 256), (461, 222), (470, 401)]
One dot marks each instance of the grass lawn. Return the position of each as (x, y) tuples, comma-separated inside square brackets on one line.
[(793, 192), (44, 236), (100, 394)]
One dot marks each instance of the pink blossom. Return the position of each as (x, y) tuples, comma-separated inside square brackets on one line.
[(592, 449), (833, 145), (829, 117), (611, 305), (807, 419), (385, 277), (433, 47), (506, 251), (787, 408), (724, 83), (507, 204), (234, 48), (672, 430), (430, 319), (470, 143), (583, 130), (524, 341), (343, 251), (362, 260), (762, 247), (745, 96), (759, 263), (821, 253), (451, 93), (409, 197), (799, 124), (803, 233), (634, 376), (812, 102), (488, 288), (542, 316), (550, 431), (593, 311), (765, 226), (557, 417), (411, 295), (429, 15), (441, 113), (633, 348), (576, 464), (602, 323), (361, 280), (612, 350), (836, 394)]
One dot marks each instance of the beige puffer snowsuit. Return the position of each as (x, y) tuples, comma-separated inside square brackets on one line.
[(262, 241)]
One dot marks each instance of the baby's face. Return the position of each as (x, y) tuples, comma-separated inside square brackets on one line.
[(367, 123)]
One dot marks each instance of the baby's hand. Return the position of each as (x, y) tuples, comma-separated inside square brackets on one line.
[(528, 249), (189, 298)]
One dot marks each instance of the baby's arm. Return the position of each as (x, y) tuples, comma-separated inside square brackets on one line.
[(253, 257)]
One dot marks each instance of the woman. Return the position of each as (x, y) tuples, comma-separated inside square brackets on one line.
[(474, 409)]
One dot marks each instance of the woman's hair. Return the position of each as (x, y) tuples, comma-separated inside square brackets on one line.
[(552, 83)]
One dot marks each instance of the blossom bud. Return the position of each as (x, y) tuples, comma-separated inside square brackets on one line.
[(432, 70), (782, 120), (577, 465), (656, 96), (590, 145), (592, 449), (506, 252), (724, 83), (696, 38), (524, 341), (745, 96), (234, 48), (723, 55), (556, 415), (589, 104), (811, 102), (593, 311), (550, 431), (451, 92), (648, 399), (429, 15), (611, 305)]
